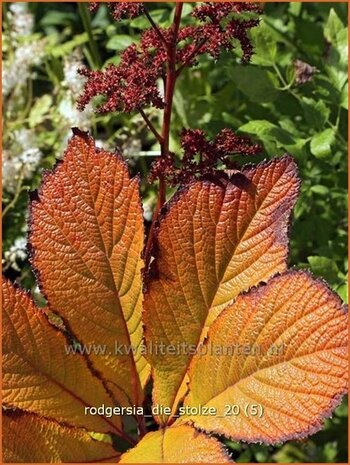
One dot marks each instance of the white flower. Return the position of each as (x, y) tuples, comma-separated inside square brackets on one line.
[(73, 117), (17, 252), (17, 71), (24, 138), (20, 20), (147, 211), (20, 159), (30, 159), (73, 84), (9, 172), (132, 147), (73, 81)]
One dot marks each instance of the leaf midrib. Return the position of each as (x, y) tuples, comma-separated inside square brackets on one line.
[(135, 378)]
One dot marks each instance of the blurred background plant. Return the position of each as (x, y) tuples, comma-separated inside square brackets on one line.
[(291, 98)]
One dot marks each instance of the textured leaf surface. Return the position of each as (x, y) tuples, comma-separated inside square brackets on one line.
[(87, 239), (28, 438), (182, 444), (215, 241), (295, 366), (39, 376)]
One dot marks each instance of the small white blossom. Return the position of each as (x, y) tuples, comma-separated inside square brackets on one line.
[(73, 81), (27, 53), (30, 160), (147, 211), (20, 159), (16, 253), (132, 148), (10, 171), (73, 84), (73, 117), (23, 138), (20, 21), (16, 72)]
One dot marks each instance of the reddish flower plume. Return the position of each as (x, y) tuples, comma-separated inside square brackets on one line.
[(228, 143), (126, 87), (134, 82), (223, 24), (121, 10), (218, 11), (202, 157)]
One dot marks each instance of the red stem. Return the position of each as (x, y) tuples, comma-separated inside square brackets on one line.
[(155, 27), (170, 81), (150, 126), (192, 55)]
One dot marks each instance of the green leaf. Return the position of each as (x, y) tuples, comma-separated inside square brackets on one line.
[(39, 110), (65, 49), (274, 137), (344, 100), (309, 34), (119, 42), (318, 189), (295, 8), (58, 18), (245, 456), (316, 112), (289, 453), (180, 107), (342, 410), (115, 60), (324, 267), (187, 9), (342, 291), (330, 451), (260, 452), (337, 58), (257, 127), (256, 83), (336, 34), (321, 143), (265, 46), (338, 75), (161, 17)]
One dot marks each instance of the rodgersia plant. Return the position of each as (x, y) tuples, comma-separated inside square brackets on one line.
[(196, 321)]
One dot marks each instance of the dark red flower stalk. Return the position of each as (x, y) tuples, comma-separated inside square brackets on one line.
[(160, 57)]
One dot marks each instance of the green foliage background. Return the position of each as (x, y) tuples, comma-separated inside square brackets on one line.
[(262, 99)]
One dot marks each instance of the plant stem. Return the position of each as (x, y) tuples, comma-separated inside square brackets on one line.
[(155, 27), (19, 190), (287, 87), (29, 103), (284, 36), (151, 127), (193, 54), (170, 81), (85, 17), (169, 92)]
